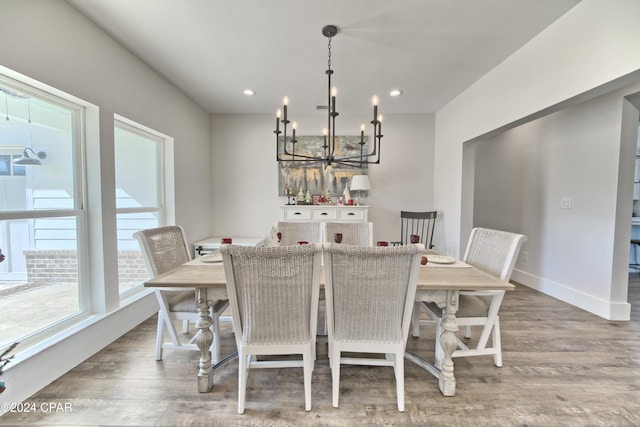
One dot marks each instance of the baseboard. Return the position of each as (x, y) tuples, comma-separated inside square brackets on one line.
[(619, 311), (29, 373)]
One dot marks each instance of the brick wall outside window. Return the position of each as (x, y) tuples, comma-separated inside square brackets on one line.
[(61, 266)]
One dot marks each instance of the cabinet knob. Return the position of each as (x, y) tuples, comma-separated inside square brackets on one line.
[(324, 213), (351, 213), (297, 213)]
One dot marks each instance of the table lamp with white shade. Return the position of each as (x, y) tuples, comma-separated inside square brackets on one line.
[(360, 183)]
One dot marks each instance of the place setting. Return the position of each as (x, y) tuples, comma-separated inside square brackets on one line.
[(437, 260)]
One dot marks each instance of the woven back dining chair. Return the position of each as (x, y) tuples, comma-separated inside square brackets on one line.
[(294, 232), (369, 294), (353, 233), (164, 248), (273, 292), (494, 252), (418, 223)]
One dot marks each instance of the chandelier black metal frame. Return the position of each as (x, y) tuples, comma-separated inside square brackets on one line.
[(286, 148)]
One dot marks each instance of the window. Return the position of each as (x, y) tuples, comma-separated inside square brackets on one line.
[(8, 167), (42, 220), (140, 195), (51, 202)]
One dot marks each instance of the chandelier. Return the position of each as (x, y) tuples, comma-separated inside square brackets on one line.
[(286, 146)]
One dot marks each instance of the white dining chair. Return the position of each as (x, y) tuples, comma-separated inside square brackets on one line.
[(273, 292), (294, 232), (369, 295), (164, 248), (494, 252), (353, 233)]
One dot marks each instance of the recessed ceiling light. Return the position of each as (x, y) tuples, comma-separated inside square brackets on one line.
[(249, 92), (395, 92)]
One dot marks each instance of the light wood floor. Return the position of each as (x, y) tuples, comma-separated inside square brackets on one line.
[(562, 367)]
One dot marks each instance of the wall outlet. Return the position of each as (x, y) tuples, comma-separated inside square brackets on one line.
[(565, 203)]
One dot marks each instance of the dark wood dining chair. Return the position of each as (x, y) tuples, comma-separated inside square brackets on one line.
[(420, 223)]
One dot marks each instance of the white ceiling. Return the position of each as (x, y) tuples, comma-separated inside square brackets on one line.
[(214, 49)]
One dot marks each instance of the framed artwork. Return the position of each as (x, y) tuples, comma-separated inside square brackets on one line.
[(316, 177)]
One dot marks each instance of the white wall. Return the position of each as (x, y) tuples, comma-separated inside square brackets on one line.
[(522, 174), (587, 52), (590, 50), (245, 174), (52, 43)]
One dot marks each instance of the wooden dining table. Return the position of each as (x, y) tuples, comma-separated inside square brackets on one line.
[(438, 283)]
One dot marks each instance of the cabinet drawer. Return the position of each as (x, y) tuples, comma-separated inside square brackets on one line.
[(351, 215), (324, 215), (297, 215)]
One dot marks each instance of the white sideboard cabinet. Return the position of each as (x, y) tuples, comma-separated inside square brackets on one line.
[(324, 213)]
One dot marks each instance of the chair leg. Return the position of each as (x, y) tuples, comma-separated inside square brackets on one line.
[(335, 375), (497, 344), (243, 366), (398, 367), (635, 266), (439, 351), (324, 324), (163, 313), (313, 353), (467, 331), (308, 369), (215, 345), (159, 338), (415, 320)]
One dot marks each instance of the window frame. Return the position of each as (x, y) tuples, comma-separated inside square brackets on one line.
[(96, 217), (81, 111), (164, 179)]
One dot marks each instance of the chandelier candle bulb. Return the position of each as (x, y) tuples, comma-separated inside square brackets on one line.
[(278, 121), (334, 92), (375, 107), (285, 103), (362, 133)]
